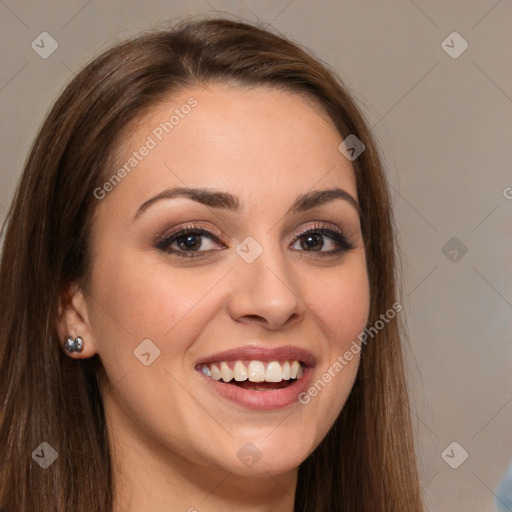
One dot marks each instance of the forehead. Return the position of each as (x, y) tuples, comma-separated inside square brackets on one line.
[(256, 142)]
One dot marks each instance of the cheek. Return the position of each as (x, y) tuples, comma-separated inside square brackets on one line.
[(142, 298), (155, 302), (341, 302), (150, 299), (341, 310)]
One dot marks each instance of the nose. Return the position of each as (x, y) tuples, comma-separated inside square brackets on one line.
[(265, 290)]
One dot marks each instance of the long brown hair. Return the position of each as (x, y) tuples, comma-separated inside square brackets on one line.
[(367, 461)]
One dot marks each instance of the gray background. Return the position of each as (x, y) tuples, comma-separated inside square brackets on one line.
[(444, 127)]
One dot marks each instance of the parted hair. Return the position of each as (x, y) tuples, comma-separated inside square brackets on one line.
[(366, 462)]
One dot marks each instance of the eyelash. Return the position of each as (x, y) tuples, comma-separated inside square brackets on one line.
[(344, 244)]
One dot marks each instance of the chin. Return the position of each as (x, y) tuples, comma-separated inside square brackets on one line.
[(275, 450)]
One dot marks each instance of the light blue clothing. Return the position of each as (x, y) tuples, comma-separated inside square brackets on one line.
[(504, 492)]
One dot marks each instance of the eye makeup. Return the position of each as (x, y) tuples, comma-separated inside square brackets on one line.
[(186, 237)]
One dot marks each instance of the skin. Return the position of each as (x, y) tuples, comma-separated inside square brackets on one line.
[(174, 441)]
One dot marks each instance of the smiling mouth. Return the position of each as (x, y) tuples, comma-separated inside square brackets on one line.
[(254, 375)]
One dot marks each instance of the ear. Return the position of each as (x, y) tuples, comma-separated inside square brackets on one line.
[(73, 320)]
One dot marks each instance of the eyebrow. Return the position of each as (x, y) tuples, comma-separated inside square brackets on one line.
[(218, 199)]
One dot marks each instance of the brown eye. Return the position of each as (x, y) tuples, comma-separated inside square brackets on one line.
[(312, 240), (188, 241)]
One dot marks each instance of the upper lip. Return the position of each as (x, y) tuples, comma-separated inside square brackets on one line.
[(259, 353)]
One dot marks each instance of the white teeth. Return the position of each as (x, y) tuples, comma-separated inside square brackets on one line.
[(286, 371), (227, 372), (274, 372), (294, 369), (240, 371), (256, 371), (216, 373)]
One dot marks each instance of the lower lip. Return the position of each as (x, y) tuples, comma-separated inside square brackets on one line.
[(262, 400)]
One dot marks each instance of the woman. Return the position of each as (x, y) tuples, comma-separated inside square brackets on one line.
[(199, 308)]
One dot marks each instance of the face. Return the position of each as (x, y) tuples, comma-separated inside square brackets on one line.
[(237, 280)]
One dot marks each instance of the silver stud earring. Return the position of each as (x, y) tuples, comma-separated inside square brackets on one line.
[(74, 345)]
